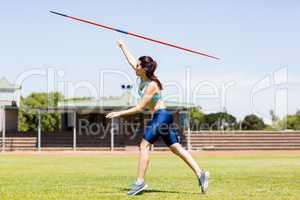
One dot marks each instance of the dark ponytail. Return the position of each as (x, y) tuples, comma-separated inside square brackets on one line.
[(150, 66)]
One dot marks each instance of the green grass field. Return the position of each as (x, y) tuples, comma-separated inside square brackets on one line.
[(109, 176)]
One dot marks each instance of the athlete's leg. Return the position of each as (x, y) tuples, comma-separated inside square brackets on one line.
[(171, 139), (150, 136), (169, 135), (186, 157), (139, 185), (143, 160)]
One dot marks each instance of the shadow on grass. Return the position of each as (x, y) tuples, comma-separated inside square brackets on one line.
[(158, 191)]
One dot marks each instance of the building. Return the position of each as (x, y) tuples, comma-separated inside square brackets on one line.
[(84, 125), (94, 110), (9, 103), (85, 118)]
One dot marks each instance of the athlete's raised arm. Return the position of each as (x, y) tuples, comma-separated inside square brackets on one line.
[(129, 57)]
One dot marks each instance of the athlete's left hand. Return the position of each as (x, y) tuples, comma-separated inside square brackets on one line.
[(113, 114)]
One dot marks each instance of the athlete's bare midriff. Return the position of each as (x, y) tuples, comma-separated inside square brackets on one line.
[(159, 105)]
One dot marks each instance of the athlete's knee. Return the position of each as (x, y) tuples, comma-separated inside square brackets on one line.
[(177, 149), (174, 149), (144, 145)]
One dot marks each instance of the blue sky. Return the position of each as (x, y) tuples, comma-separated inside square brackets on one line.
[(253, 38)]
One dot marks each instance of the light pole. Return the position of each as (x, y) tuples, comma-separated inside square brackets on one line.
[(127, 88)]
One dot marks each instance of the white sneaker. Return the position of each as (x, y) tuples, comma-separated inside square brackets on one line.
[(203, 181)]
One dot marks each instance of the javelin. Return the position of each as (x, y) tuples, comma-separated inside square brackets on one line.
[(135, 35)]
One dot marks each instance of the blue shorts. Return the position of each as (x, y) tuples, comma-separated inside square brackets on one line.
[(161, 125)]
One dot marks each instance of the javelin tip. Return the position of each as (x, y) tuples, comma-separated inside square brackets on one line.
[(57, 13)]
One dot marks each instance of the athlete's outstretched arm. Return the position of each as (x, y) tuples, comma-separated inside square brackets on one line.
[(141, 105), (129, 57)]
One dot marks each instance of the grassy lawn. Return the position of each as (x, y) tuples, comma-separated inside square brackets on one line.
[(108, 177)]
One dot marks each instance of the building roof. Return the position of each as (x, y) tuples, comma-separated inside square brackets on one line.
[(125, 100), (6, 85)]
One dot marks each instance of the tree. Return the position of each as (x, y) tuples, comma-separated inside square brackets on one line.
[(220, 121), (196, 118), (253, 122), (293, 121), (28, 119), (288, 122)]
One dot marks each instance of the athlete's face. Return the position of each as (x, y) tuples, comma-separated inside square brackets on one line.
[(139, 70)]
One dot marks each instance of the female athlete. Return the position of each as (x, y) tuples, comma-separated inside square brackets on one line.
[(159, 126)]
